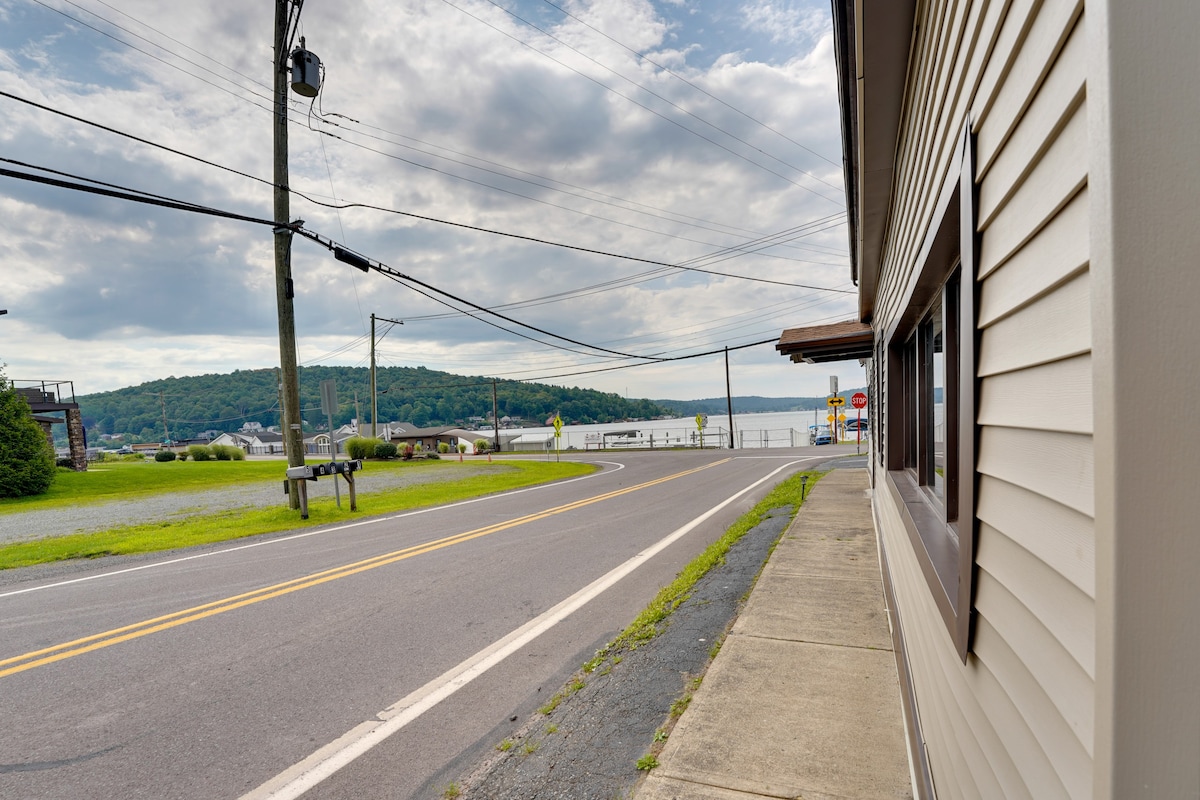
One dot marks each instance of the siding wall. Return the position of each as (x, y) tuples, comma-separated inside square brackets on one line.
[(1017, 719)]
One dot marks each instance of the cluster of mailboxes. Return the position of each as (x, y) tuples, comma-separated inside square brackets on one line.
[(313, 471)]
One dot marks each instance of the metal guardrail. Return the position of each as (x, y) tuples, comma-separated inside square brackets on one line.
[(46, 392)]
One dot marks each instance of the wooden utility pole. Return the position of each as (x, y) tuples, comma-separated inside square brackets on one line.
[(495, 415), (728, 398), (374, 392), (293, 439), (166, 432), (374, 403)]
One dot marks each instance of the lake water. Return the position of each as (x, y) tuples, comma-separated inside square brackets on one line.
[(778, 429)]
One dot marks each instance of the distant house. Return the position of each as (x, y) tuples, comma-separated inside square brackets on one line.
[(1022, 183), (429, 438), (257, 442)]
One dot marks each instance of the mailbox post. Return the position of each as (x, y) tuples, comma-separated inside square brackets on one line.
[(310, 472)]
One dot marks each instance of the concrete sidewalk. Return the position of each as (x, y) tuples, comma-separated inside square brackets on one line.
[(803, 699)]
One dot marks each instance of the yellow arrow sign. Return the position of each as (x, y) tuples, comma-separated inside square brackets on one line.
[(836, 401), (557, 425)]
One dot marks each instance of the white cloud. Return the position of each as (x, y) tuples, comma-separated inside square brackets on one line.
[(456, 121), (786, 22)]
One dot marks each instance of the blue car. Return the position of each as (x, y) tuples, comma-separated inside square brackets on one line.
[(820, 435)]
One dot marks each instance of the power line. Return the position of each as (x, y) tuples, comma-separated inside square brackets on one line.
[(310, 199), (159, 59), (652, 93), (542, 182), (339, 206), (139, 197), (700, 89), (647, 108), (339, 252)]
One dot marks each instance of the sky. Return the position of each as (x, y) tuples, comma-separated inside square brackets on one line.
[(496, 142)]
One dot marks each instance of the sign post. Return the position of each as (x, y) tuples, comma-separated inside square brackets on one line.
[(859, 401), (701, 421), (329, 405), (835, 404), (557, 435)]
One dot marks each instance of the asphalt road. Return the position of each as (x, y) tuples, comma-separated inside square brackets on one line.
[(369, 660)]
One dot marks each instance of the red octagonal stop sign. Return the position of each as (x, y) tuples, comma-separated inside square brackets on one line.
[(858, 400)]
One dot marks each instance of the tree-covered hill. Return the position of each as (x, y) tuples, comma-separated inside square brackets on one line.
[(751, 404), (420, 396)]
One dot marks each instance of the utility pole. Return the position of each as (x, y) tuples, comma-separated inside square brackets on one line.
[(293, 440), (495, 415), (163, 403), (374, 404), (374, 395), (728, 398)]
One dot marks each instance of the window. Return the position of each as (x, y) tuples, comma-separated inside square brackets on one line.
[(929, 450)]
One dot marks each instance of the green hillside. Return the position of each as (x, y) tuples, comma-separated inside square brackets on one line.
[(751, 404), (419, 396)]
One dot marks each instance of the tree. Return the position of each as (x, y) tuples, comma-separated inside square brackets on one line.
[(26, 458)]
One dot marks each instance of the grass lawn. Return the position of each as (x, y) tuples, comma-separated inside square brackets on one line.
[(121, 480), (131, 480)]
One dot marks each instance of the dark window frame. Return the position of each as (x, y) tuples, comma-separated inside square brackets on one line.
[(941, 526)]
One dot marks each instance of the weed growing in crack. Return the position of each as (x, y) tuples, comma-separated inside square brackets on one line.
[(647, 762)]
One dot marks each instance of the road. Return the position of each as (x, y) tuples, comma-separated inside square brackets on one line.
[(367, 660)]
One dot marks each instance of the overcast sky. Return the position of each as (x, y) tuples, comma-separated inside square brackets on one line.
[(665, 130)]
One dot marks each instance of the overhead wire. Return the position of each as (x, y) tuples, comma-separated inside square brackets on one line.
[(652, 93), (658, 114), (298, 229), (159, 59), (700, 89), (291, 27), (293, 22), (335, 205)]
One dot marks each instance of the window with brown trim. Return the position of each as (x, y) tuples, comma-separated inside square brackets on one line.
[(929, 449)]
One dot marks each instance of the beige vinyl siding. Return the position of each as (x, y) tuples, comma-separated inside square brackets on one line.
[(1058, 466), (1056, 254), (1017, 719)]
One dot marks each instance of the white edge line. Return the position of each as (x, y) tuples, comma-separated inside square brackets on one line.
[(318, 532), (299, 778)]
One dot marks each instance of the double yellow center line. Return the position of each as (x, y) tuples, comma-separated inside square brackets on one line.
[(77, 647)]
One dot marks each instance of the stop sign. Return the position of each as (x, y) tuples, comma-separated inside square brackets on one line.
[(858, 400)]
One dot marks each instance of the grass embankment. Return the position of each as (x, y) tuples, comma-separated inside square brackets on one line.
[(122, 481), (646, 625)]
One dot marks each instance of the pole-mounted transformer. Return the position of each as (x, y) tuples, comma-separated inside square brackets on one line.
[(306, 71)]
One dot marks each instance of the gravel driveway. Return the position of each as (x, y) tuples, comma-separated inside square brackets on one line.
[(26, 525)]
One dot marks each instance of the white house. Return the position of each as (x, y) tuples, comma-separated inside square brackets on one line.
[(1023, 185)]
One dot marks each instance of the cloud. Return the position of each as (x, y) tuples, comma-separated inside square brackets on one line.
[(786, 22), (472, 118)]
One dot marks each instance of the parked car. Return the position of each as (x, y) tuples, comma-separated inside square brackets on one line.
[(820, 435)]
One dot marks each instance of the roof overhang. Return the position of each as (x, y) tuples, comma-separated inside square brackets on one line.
[(872, 43), (842, 341)]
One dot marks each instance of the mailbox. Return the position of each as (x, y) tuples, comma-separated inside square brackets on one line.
[(304, 472)]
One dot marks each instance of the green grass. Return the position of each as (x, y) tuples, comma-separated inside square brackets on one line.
[(647, 762), (645, 626), (207, 527), (123, 480)]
